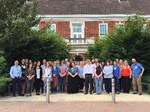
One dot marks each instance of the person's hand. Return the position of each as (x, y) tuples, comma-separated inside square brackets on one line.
[(140, 75), (54, 75), (130, 76)]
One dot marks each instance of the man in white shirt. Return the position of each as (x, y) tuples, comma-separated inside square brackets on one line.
[(88, 72)]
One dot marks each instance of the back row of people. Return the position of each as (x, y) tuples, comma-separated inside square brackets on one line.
[(72, 76)]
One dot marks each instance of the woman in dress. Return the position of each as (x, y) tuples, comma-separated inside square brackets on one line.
[(72, 79)]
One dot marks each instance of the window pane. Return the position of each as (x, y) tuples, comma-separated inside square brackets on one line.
[(103, 29), (77, 28), (52, 27)]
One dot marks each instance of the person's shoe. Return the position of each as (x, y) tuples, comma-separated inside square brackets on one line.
[(134, 93), (14, 95), (91, 93), (85, 93), (140, 93), (118, 92), (27, 95)]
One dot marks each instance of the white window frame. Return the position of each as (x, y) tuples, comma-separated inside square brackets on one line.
[(72, 33), (54, 26), (106, 29)]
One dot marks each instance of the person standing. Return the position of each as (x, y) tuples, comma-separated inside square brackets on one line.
[(23, 78), (47, 76), (43, 68), (137, 73), (98, 78), (30, 73), (116, 74), (38, 77), (62, 76), (72, 79), (126, 75), (108, 75), (88, 72), (81, 77), (55, 77), (16, 74)]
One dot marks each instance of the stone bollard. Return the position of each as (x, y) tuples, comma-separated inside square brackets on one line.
[(113, 90), (48, 91)]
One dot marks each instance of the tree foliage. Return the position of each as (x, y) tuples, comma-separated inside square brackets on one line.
[(18, 40), (17, 18), (132, 40)]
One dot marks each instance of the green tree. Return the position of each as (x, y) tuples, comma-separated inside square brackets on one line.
[(132, 40), (17, 18), (44, 44)]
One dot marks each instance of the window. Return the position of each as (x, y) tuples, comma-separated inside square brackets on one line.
[(52, 27), (103, 29), (119, 25), (77, 32)]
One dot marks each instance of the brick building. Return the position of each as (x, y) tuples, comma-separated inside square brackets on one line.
[(80, 21)]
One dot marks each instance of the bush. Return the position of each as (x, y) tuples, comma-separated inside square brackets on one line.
[(146, 79), (2, 63), (4, 82)]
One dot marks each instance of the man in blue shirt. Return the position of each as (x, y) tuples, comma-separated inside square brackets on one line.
[(16, 73), (137, 73)]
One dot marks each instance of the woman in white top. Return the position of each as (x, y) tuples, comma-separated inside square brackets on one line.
[(47, 75)]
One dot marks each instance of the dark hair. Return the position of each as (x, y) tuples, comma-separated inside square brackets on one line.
[(71, 64)]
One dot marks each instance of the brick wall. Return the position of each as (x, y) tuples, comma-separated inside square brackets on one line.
[(91, 27)]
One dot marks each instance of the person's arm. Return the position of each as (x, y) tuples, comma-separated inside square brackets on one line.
[(142, 68), (130, 72), (11, 72), (84, 71), (110, 71), (20, 75)]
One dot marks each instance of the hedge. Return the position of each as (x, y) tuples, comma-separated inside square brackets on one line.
[(4, 82)]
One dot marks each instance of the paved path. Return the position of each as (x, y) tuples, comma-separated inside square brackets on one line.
[(74, 107), (81, 97), (76, 103)]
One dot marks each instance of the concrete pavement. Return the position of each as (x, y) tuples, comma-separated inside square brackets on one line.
[(64, 97)]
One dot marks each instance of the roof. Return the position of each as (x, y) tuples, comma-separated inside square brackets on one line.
[(96, 7)]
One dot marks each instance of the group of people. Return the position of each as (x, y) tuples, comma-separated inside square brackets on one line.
[(75, 76)]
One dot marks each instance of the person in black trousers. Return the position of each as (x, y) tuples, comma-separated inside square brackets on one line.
[(16, 73), (38, 77), (88, 72)]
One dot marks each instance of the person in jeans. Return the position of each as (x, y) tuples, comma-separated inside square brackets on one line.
[(81, 77), (16, 73), (88, 72), (108, 75), (30, 73), (47, 76), (116, 74), (98, 78), (55, 77), (137, 73), (62, 76), (126, 75), (38, 77)]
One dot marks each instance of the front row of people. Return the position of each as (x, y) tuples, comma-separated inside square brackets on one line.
[(73, 77)]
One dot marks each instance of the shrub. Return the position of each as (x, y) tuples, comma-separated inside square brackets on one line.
[(4, 82)]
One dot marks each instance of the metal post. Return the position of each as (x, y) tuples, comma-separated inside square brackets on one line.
[(48, 91), (113, 90)]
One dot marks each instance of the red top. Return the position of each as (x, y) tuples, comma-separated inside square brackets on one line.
[(125, 71)]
